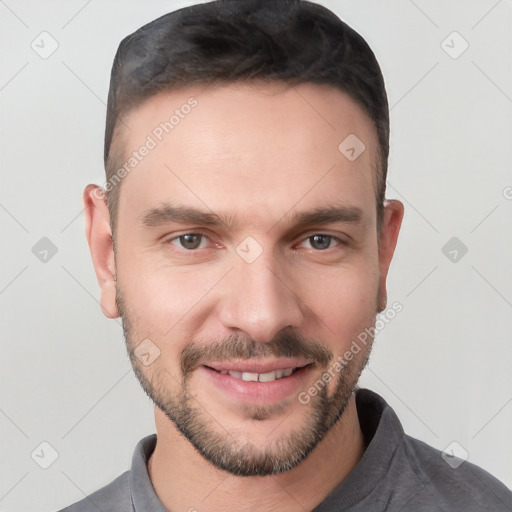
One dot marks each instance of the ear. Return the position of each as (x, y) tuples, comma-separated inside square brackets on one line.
[(388, 236), (99, 238)]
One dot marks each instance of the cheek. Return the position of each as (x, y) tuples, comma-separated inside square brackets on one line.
[(344, 300), (157, 304), (163, 299)]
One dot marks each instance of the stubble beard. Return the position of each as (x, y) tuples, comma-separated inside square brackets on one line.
[(233, 454)]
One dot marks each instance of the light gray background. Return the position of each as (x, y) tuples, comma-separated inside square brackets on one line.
[(443, 363)]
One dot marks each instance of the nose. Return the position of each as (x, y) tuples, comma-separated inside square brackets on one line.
[(259, 300)]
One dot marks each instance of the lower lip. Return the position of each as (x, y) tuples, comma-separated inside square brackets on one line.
[(257, 392)]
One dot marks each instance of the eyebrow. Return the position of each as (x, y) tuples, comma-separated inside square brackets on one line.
[(167, 214)]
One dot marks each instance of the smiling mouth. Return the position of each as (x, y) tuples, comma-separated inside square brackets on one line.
[(261, 377)]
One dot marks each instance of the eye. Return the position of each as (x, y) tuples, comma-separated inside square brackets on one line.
[(189, 241), (322, 242)]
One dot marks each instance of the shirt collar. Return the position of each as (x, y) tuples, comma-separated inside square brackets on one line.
[(383, 434), (143, 494)]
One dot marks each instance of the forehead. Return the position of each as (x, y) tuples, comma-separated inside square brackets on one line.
[(255, 145)]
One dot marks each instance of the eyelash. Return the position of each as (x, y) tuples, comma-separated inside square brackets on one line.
[(331, 237)]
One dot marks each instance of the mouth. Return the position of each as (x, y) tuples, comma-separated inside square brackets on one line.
[(259, 382), (269, 376)]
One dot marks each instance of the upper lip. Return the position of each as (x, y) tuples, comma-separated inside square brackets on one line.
[(257, 365)]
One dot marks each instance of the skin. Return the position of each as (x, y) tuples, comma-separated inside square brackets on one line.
[(257, 154)]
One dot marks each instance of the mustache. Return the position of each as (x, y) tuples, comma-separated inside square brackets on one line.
[(237, 347)]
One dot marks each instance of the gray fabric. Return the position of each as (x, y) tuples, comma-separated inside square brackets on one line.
[(396, 474)]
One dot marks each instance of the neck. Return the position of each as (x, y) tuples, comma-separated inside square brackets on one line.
[(184, 480)]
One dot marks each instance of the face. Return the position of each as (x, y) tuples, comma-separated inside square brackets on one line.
[(247, 263)]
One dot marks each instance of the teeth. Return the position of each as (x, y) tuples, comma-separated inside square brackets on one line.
[(250, 377), (261, 377), (267, 377)]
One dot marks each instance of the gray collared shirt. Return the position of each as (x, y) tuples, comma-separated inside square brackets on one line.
[(397, 473)]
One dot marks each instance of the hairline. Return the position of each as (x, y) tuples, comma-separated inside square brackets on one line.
[(117, 150)]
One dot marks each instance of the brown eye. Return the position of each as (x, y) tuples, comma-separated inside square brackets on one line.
[(189, 241)]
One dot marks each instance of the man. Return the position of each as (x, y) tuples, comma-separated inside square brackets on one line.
[(245, 241)]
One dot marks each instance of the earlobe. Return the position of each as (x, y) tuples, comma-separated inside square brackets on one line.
[(99, 238), (388, 237)]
